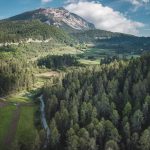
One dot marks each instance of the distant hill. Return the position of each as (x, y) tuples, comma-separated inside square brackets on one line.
[(59, 17), (96, 35), (15, 31), (110, 40)]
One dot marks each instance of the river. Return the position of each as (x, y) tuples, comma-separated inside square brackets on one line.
[(43, 120)]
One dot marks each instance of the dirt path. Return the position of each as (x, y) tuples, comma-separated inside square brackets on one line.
[(48, 74), (2, 104), (12, 129)]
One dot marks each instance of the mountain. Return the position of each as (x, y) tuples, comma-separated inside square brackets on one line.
[(59, 17), (50, 21)]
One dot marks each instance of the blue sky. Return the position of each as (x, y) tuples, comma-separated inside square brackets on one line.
[(127, 16)]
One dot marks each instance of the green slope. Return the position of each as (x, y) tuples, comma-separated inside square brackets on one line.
[(14, 31), (117, 41), (96, 34)]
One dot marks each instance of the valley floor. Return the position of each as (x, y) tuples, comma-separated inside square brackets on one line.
[(17, 111), (17, 115)]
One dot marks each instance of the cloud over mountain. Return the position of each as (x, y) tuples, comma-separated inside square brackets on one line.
[(104, 17)]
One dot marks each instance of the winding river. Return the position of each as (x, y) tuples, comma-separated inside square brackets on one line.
[(43, 120)]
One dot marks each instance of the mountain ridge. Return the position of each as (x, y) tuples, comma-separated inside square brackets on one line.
[(59, 17), (65, 27)]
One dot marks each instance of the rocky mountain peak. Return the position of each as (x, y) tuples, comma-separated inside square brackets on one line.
[(59, 17)]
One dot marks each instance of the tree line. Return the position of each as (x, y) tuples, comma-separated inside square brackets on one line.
[(101, 107), (57, 61), (14, 76)]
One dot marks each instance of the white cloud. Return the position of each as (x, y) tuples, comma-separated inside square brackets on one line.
[(46, 1), (104, 17), (74, 1), (139, 2), (71, 1)]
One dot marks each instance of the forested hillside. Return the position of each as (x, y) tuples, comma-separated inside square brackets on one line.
[(101, 107), (95, 34), (15, 31), (117, 41), (15, 75), (17, 61)]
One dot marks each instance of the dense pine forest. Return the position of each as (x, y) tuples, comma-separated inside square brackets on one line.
[(15, 75), (101, 107)]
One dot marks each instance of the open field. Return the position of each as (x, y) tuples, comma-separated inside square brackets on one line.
[(15, 128), (18, 98), (89, 62), (57, 51), (33, 51), (48, 74), (6, 114), (97, 52), (26, 132), (93, 55)]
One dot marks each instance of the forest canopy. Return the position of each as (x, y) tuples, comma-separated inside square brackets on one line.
[(101, 107), (58, 61), (14, 76)]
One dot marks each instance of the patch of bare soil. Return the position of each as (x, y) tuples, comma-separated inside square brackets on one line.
[(2, 104), (48, 74)]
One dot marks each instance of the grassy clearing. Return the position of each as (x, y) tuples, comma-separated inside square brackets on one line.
[(89, 62), (57, 51), (26, 130), (47, 75), (92, 56), (98, 53), (26, 96), (65, 50), (19, 98), (41, 78), (5, 120), (33, 51)]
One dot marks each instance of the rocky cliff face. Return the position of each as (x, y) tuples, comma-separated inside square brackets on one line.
[(59, 17)]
